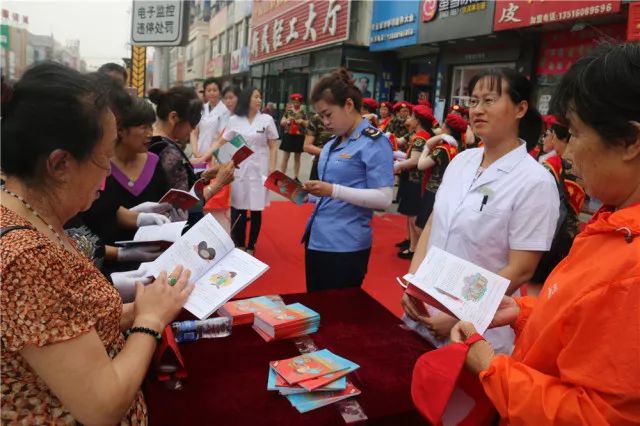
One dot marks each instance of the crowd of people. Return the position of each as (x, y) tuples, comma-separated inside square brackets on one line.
[(494, 183)]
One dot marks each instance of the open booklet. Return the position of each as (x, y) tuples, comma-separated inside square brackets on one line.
[(467, 291), (283, 185), (236, 149), (181, 199), (162, 236), (218, 269)]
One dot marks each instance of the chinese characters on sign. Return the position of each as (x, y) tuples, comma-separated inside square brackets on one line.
[(394, 24), (157, 22), (295, 26), (448, 8), (511, 14)]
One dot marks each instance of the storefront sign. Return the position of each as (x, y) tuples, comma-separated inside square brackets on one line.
[(159, 23), (559, 50), (511, 14), (394, 24), (455, 19), (279, 28), (633, 26), (446, 8), (240, 60)]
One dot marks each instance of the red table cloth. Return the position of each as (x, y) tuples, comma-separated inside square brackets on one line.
[(228, 376)]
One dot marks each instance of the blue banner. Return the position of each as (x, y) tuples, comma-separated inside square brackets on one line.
[(394, 23)]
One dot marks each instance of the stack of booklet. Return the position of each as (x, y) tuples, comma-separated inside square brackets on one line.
[(286, 321), (312, 380), (242, 311)]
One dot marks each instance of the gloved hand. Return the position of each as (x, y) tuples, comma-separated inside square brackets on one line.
[(146, 219), (396, 166), (125, 283), (138, 254), (178, 215), (151, 207), (399, 155)]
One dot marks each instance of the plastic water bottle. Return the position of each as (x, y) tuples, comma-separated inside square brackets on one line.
[(190, 331)]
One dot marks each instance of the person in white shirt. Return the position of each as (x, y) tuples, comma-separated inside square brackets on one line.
[(214, 114), (496, 207), (247, 190)]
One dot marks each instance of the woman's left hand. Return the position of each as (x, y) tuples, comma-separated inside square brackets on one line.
[(480, 353), (440, 325), (318, 188)]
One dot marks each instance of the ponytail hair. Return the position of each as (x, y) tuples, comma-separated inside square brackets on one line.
[(183, 100), (519, 89), (336, 88)]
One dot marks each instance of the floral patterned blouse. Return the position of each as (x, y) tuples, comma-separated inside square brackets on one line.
[(49, 295)]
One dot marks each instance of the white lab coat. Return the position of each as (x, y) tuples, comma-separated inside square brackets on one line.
[(211, 125), (247, 190), (520, 213)]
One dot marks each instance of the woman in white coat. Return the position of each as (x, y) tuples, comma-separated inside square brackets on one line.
[(248, 192), (214, 115)]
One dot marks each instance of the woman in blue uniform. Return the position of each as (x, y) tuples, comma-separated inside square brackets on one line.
[(355, 177)]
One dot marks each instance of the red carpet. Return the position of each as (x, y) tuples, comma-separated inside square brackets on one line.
[(279, 247)]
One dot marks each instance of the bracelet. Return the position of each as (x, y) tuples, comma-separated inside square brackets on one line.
[(144, 330)]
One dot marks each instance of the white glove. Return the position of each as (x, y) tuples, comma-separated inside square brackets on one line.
[(399, 155), (125, 283), (138, 254), (396, 166), (388, 135), (146, 219), (178, 215), (151, 207)]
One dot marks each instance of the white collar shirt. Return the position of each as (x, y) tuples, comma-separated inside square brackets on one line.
[(512, 205)]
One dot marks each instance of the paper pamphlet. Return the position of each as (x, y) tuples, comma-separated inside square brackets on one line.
[(162, 235), (468, 291), (236, 149), (283, 185), (218, 270)]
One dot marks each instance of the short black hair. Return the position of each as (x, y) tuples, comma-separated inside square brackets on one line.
[(518, 89), (233, 89), (183, 100), (113, 67), (119, 99), (138, 113), (52, 107), (602, 88), (561, 131), (244, 100), (211, 80)]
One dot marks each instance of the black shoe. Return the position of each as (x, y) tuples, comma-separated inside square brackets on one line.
[(403, 244), (405, 254)]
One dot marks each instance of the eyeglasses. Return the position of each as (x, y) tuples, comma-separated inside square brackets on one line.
[(487, 101)]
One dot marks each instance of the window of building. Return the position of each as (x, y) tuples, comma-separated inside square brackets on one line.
[(245, 29), (239, 34), (232, 39), (213, 49)]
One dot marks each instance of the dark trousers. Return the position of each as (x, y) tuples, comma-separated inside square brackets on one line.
[(239, 227), (314, 169), (326, 270)]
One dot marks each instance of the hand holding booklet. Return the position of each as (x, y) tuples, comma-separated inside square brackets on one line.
[(467, 291), (236, 149), (218, 269), (283, 185), (162, 236)]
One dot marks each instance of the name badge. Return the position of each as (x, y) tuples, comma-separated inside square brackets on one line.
[(345, 156), (261, 130)]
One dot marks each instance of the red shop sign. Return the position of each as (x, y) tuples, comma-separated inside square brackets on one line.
[(279, 28), (512, 14), (559, 50), (633, 27)]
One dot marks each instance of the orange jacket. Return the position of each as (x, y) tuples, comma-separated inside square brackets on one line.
[(577, 354)]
